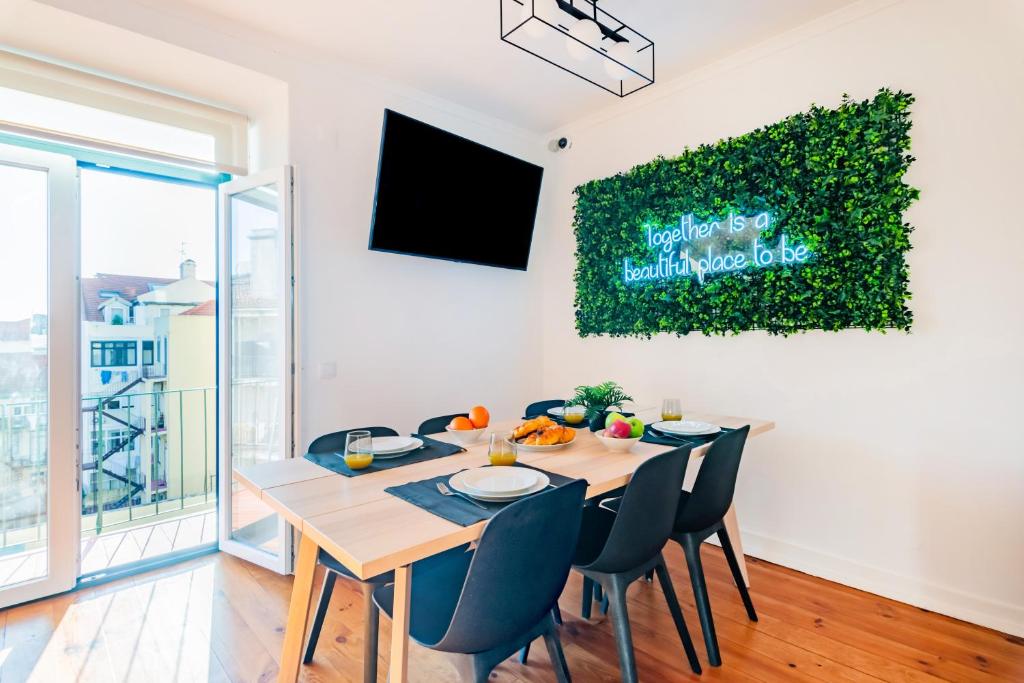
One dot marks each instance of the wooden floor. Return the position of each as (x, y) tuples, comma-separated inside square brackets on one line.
[(221, 619)]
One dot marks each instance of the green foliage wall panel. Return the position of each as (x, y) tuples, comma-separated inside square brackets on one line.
[(794, 226)]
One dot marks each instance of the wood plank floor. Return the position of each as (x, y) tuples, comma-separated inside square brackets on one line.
[(218, 618)]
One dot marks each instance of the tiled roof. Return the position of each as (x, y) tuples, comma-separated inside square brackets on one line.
[(205, 308), (128, 287)]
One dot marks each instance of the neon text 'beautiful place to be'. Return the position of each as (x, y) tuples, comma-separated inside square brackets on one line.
[(691, 249)]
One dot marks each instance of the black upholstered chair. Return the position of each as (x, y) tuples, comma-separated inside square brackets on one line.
[(542, 407), (491, 602), (335, 443), (436, 425), (617, 548)]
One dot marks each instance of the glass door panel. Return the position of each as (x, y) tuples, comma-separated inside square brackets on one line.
[(37, 434), (258, 329)]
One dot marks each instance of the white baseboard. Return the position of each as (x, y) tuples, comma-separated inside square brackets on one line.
[(930, 596)]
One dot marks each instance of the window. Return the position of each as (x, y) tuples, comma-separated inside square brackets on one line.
[(106, 354), (147, 353)]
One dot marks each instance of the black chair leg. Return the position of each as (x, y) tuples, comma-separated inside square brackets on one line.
[(558, 663), (623, 635), (524, 653), (737, 575), (649, 576), (598, 592), (556, 613), (677, 616), (588, 597), (691, 548), (371, 621), (321, 611)]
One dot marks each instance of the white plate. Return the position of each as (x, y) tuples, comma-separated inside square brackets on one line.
[(500, 481), (456, 483), (687, 427), (542, 449), (385, 447), (557, 411)]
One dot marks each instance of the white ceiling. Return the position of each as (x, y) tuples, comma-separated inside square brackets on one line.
[(451, 48)]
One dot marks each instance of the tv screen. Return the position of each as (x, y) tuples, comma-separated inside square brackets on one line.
[(443, 196)]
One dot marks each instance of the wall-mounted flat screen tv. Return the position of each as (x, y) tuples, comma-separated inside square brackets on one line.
[(443, 196)]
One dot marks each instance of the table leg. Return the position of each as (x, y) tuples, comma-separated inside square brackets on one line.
[(298, 611), (399, 672), (732, 527)]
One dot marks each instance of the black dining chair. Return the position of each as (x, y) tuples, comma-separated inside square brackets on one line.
[(487, 604), (542, 407), (335, 443), (617, 548), (701, 513), (436, 425)]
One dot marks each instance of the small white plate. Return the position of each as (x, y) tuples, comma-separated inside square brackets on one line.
[(500, 481), (557, 411), (456, 483), (385, 447), (686, 427)]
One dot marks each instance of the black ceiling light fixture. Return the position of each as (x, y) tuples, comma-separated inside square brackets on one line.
[(578, 37)]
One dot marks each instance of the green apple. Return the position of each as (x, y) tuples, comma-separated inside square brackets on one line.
[(638, 427), (612, 417)]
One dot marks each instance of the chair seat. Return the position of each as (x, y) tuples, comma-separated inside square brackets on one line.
[(327, 560), (594, 530), (436, 587), (612, 504)]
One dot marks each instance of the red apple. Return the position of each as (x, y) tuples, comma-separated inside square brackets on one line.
[(620, 429)]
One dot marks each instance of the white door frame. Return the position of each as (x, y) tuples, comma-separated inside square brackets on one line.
[(63, 500), (282, 178)]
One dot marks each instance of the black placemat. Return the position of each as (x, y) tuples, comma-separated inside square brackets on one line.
[(432, 448), (652, 436), (424, 494), (585, 424)]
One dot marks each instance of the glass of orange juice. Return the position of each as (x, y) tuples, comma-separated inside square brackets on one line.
[(671, 410), (573, 415), (358, 449), (501, 451)]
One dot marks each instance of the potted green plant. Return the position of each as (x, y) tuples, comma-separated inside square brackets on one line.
[(597, 400)]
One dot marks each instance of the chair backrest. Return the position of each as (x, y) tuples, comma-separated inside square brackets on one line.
[(436, 425), (542, 407), (518, 570), (646, 514), (715, 484), (335, 441)]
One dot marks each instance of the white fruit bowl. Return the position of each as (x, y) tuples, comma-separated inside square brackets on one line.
[(466, 437), (612, 444)]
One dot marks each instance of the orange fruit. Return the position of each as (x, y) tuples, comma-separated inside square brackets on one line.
[(479, 417), (461, 423)]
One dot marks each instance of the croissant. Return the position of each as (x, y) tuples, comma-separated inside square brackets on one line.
[(568, 434), (531, 426), (549, 436)]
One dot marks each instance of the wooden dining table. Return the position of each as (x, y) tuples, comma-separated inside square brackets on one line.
[(371, 531)]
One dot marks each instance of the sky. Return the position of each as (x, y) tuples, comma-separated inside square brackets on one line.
[(130, 226)]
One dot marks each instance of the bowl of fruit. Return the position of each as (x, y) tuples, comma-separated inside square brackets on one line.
[(468, 430), (620, 433)]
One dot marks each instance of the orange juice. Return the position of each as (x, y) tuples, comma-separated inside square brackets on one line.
[(502, 459), (358, 461), (573, 418), (671, 417)]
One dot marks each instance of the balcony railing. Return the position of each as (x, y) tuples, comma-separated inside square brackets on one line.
[(145, 456)]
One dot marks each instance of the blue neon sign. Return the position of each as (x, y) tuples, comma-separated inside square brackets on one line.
[(726, 245)]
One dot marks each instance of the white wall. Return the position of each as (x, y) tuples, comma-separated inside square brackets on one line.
[(411, 338), (896, 465)]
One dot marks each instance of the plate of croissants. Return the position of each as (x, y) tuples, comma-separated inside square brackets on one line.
[(541, 434)]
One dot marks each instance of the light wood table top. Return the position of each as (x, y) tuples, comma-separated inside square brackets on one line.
[(371, 531)]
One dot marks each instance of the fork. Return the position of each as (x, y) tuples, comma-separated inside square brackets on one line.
[(445, 491)]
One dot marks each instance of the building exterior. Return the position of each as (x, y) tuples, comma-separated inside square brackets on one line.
[(148, 401)]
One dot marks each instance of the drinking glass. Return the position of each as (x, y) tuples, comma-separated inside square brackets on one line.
[(671, 410), (573, 415), (501, 451), (358, 449)]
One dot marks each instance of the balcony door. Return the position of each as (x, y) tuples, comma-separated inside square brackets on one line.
[(39, 497), (256, 358)]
